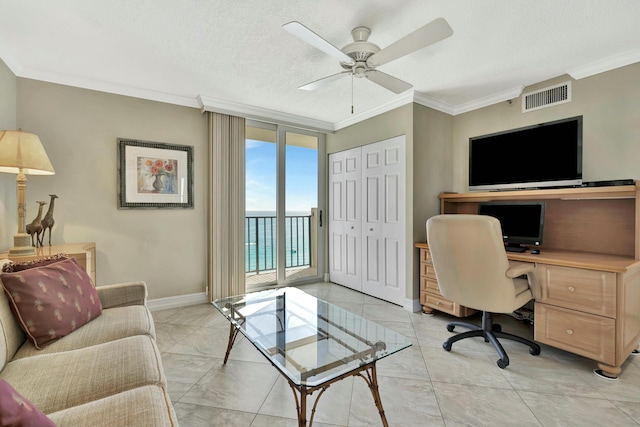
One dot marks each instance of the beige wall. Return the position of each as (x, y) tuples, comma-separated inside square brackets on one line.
[(432, 172), (79, 129), (610, 105), (8, 199)]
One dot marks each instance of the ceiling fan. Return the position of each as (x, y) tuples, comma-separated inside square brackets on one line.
[(361, 58)]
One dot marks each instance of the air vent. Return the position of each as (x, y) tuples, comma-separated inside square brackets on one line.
[(543, 98)]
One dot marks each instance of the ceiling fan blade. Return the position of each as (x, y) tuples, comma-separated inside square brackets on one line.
[(388, 82), (308, 36), (323, 81), (433, 32)]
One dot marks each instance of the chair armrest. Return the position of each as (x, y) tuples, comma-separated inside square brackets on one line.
[(122, 294), (519, 269), (516, 270)]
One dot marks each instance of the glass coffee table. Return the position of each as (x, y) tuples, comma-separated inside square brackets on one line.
[(311, 342)]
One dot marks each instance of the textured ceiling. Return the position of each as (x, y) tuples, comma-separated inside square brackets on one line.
[(236, 53)]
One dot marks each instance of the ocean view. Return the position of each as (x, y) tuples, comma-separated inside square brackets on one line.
[(260, 240)]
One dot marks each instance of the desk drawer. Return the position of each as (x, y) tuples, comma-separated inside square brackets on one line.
[(425, 255), (427, 270), (438, 302), (429, 285), (580, 333), (591, 291)]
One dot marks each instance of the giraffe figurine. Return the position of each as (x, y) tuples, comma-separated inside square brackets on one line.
[(47, 221), (36, 225)]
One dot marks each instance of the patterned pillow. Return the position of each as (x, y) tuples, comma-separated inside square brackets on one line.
[(13, 266), (16, 410), (51, 301)]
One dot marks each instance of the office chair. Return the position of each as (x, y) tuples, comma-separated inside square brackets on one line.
[(472, 269)]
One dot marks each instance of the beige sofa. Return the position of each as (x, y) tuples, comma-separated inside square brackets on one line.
[(105, 373)]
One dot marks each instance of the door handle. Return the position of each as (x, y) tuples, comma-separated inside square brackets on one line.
[(320, 219)]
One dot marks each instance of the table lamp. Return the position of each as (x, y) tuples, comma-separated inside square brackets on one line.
[(22, 153)]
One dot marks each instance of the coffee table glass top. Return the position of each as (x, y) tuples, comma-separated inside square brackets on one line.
[(309, 340)]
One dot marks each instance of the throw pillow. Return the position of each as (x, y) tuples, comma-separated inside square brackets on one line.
[(17, 411), (13, 266), (51, 301)]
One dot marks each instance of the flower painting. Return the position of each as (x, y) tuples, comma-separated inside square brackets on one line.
[(154, 175), (157, 175)]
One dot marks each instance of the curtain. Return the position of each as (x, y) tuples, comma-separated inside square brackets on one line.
[(226, 206)]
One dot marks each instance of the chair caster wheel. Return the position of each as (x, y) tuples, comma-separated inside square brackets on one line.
[(534, 351), (496, 328), (450, 328), (501, 364), (446, 346)]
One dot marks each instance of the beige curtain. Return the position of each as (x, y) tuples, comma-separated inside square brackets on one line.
[(225, 266)]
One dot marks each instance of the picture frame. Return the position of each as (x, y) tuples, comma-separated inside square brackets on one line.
[(154, 175)]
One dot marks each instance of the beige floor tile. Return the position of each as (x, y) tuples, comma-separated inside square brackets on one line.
[(468, 405), (554, 410), (632, 409), (464, 367), (546, 374), (406, 402), (332, 407), (421, 385), (185, 368), (206, 416), (625, 389), (240, 386), (269, 421), (168, 334), (377, 312), (406, 363)]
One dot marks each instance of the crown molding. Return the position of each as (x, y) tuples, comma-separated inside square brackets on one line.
[(486, 101), (10, 62), (262, 114), (607, 64), (102, 86), (398, 101), (427, 101)]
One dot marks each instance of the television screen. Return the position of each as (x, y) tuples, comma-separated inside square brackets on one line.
[(521, 222), (543, 155)]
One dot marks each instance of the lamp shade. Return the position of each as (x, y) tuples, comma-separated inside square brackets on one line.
[(23, 150)]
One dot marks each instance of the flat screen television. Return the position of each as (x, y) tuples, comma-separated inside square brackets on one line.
[(522, 222), (543, 155)]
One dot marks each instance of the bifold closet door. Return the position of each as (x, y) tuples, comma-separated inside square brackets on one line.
[(367, 229), (345, 219), (383, 220)]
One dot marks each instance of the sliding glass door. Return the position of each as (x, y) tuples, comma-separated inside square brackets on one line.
[(284, 181)]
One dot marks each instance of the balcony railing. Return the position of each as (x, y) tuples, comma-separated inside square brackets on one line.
[(260, 242)]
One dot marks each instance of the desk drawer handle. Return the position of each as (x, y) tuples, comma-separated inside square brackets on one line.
[(570, 331), (571, 289)]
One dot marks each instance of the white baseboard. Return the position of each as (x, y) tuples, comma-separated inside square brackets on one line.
[(166, 303), (412, 305)]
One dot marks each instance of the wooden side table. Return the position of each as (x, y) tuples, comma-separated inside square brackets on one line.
[(85, 253)]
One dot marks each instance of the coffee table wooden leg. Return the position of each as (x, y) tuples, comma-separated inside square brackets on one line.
[(233, 333), (372, 381), (301, 402)]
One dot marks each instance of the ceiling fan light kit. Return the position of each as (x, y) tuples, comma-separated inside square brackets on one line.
[(361, 57)]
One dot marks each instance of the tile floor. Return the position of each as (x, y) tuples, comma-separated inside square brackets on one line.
[(420, 386)]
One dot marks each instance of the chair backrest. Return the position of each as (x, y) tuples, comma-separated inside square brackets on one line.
[(470, 261)]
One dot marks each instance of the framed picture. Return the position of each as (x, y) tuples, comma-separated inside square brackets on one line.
[(154, 175)]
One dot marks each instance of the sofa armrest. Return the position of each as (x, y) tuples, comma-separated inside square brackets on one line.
[(122, 294)]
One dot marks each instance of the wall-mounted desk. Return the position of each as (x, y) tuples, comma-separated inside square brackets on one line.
[(588, 268)]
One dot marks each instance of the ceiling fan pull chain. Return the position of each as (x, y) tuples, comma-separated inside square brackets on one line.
[(351, 93)]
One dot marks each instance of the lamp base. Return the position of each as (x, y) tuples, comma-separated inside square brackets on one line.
[(22, 245)]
